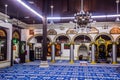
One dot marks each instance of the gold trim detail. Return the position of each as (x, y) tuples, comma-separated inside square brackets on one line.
[(114, 62), (53, 61), (71, 61), (93, 62)]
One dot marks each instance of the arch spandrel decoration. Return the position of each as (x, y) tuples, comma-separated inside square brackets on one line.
[(2, 33), (51, 32), (16, 35), (100, 41), (71, 31), (115, 30), (93, 30)]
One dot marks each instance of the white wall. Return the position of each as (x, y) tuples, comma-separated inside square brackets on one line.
[(66, 26)]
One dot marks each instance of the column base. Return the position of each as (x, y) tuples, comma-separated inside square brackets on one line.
[(27, 60), (53, 61), (44, 64), (114, 62), (93, 62), (71, 61)]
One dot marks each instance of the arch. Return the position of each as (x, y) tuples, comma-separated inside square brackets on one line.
[(82, 51), (37, 35), (80, 34), (104, 34), (62, 34), (16, 34), (3, 44), (3, 33)]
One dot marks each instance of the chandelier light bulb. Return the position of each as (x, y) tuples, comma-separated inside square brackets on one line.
[(117, 19), (117, 1), (6, 5), (52, 6)]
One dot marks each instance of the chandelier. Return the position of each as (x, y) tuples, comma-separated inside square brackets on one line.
[(82, 19)]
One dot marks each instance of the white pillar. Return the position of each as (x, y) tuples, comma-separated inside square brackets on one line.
[(114, 57), (27, 59), (61, 52), (71, 53), (93, 54), (62, 47), (53, 53)]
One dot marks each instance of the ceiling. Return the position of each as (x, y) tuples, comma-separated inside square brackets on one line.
[(62, 8)]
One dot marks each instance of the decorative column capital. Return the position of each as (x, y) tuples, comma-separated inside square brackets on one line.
[(72, 43), (92, 43), (115, 43), (53, 43)]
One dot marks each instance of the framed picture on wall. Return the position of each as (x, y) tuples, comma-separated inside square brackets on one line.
[(31, 32), (66, 46)]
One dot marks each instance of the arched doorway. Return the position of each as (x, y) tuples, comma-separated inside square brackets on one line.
[(103, 48), (3, 45), (82, 42), (16, 44), (83, 52), (35, 47), (62, 45)]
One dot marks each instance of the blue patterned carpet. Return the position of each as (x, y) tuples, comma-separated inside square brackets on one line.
[(59, 72)]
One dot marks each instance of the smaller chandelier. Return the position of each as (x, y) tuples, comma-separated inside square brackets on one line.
[(82, 19)]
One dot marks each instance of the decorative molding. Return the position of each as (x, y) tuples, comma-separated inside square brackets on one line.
[(16, 35), (51, 32), (93, 30), (62, 28), (71, 31), (115, 30)]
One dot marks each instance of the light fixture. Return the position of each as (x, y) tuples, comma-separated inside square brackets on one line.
[(58, 18), (51, 22), (93, 17), (6, 13), (26, 17), (31, 2), (82, 19), (29, 8), (117, 2)]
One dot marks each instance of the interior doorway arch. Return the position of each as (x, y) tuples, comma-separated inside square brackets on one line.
[(103, 44), (83, 52)]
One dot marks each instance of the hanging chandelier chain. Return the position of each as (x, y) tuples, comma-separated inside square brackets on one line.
[(81, 5), (51, 22), (6, 6), (51, 10), (117, 5), (117, 2)]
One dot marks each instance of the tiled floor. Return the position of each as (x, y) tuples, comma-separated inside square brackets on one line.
[(61, 70)]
